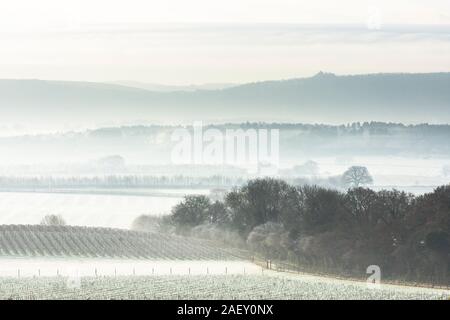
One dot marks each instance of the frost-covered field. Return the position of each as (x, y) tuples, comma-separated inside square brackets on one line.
[(68, 267), (58, 278), (416, 175), (112, 211), (385, 165), (264, 286)]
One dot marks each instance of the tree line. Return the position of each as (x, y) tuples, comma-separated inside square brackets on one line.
[(117, 181), (407, 236)]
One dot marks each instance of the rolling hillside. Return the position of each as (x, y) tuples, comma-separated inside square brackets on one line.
[(65, 241), (324, 98)]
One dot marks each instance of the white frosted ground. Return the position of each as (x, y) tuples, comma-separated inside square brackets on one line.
[(349, 285), (130, 279), (112, 211), (385, 165), (31, 267)]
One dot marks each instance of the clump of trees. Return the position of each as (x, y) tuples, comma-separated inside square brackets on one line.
[(118, 181), (53, 220), (329, 230), (151, 223), (307, 169)]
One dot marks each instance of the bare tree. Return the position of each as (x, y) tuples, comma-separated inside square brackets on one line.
[(357, 176), (53, 220)]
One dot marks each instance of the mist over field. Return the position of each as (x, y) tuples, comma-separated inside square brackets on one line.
[(251, 149), (106, 157)]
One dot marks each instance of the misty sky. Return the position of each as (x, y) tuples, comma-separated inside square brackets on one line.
[(202, 41)]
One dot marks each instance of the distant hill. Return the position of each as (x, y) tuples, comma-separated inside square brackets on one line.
[(66, 241), (324, 98)]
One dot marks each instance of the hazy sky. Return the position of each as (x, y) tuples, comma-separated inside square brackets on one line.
[(200, 41)]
